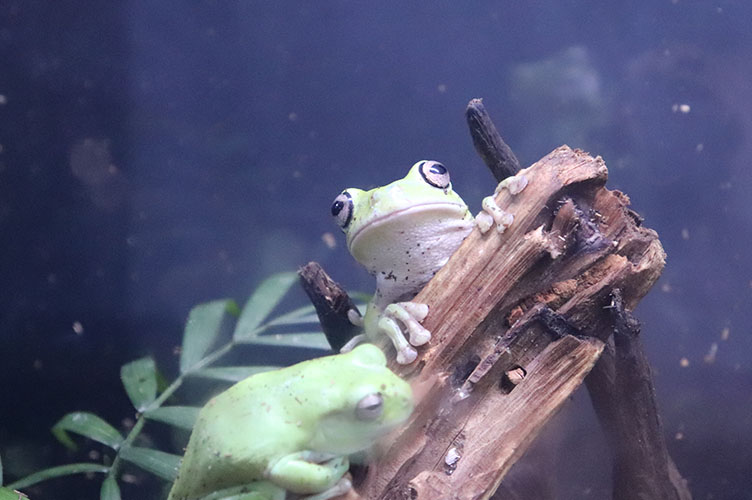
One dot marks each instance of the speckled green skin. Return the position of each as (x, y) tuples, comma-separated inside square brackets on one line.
[(265, 420)]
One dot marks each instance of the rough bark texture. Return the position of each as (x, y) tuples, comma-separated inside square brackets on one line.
[(518, 320), (551, 273), (623, 396), (331, 302), (495, 153)]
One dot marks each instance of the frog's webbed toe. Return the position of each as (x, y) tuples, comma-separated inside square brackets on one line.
[(492, 213), (402, 317)]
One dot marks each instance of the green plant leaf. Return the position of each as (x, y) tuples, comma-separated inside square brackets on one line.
[(110, 489), (86, 424), (232, 373), (53, 472), (140, 381), (1, 470), (301, 315), (268, 294), (312, 340), (178, 416), (202, 329), (159, 463), (8, 494)]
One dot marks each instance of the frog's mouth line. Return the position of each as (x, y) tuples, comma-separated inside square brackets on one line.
[(456, 207)]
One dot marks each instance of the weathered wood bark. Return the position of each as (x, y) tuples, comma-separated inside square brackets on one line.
[(623, 396), (331, 302), (495, 153), (518, 320), (571, 244)]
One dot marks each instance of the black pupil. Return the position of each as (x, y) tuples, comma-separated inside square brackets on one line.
[(438, 169), (337, 207)]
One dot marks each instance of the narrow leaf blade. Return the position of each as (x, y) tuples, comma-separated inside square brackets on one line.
[(262, 301), (8, 494), (89, 425), (1, 470), (110, 489), (183, 417), (311, 340), (140, 380), (202, 329), (233, 373), (301, 315), (53, 472), (159, 463)]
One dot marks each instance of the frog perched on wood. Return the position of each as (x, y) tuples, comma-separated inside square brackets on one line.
[(292, 429), (403, 233)]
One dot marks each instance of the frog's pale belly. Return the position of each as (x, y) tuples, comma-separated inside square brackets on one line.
[(425, 239)]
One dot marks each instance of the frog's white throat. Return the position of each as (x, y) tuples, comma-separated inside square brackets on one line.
[(422, 238)]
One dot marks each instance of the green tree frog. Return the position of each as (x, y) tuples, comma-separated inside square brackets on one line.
[(292, 429), (403, 233)]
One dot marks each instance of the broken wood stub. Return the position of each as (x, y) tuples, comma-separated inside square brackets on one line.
[(331, 302), (494, 310)]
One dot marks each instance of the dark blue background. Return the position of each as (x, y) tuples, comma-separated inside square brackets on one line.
[(154, 155)]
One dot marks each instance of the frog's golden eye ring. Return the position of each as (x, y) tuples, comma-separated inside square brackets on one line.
[(370, 407), (435, 174), (342, 209)]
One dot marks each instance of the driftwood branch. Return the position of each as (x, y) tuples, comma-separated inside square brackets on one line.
[(623, 396), (331, 302), (495, 153), (518, 320)]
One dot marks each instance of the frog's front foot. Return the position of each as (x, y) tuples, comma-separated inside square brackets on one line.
[(409, 315), (343, 486), (492, 213)]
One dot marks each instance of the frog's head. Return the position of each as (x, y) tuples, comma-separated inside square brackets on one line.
[(370, 218), (366, 402)]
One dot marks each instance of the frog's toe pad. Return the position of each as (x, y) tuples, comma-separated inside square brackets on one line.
[(493, 214), (410, 314), (406, 355), (416, 309), (514, 184)]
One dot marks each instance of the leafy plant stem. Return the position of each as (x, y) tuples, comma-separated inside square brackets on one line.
[(174, 386)]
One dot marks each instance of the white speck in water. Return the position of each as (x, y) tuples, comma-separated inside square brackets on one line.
[(709, 358), (725, 333), (681, 108)]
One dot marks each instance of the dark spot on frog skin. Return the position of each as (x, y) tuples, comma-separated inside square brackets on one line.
[(391, 276)]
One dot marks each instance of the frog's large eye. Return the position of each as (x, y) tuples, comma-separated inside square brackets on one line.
[(435, 174), (342, 209), (370, 407)]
